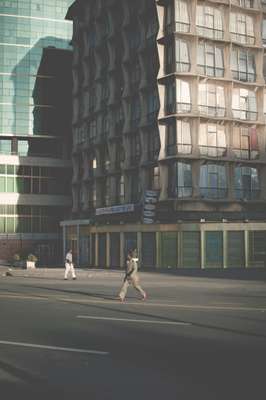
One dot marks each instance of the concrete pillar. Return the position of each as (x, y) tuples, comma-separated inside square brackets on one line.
[(202, 248), (139, 246), (122, 246), (108, 258), (225, 252), (158, 248), (96, 250), (246, 248), (78, 244), (64, 242)]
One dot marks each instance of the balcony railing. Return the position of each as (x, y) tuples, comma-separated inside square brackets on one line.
[(245, 114), (242, 38), (247, 194), (177, 66), (210, 71), (247, 3), (213, 192), (176, 108), (210, 32), (212, 111), (246, 154), (212, 151), (177, 26), (30, 154), (180, 192), (179, 148), (244, 76)]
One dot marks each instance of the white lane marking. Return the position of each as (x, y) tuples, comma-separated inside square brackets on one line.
[(142, 321), (40, 346), (18, 296), (167, 305), (221, 307)]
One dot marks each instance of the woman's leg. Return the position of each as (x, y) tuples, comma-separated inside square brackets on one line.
[(123, 291)]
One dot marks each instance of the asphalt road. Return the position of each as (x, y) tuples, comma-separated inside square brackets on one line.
[(194, 338)]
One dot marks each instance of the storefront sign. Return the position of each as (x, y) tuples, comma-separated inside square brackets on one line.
[(124, 208), (149, 206)]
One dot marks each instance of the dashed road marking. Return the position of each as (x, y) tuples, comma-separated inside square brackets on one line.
[(141, 321), (44, 347)]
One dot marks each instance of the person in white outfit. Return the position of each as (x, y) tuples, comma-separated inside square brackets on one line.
[(69, 266), (131, 276)]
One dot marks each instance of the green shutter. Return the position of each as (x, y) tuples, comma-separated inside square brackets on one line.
[(169, 249), (191, 249), (235, 249), (214, 249)]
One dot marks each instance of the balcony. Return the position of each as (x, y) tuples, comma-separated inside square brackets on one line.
[(152, 155), (212, 111), (212, 151), (210, 32), (242, 38), (176, 108), (213, 193), (179, 148), (177, 66), (211, 71), (180, 192), (246, 154), (243, 76), (245, 114), (177, 26), (247, 194)]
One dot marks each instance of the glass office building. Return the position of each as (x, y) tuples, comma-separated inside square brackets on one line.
[(35, 124)]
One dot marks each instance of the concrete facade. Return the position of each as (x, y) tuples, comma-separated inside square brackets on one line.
[(169, 97)]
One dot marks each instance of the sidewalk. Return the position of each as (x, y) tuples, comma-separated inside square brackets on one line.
[(252, 274), (53, 272)]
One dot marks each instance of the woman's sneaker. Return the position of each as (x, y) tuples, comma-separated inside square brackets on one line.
[(144, 297)]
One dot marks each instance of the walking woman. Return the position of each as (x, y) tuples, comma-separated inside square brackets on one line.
[(131, 276)]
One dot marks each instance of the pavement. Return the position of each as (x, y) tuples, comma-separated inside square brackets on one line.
[(195, 337), (250, 274)]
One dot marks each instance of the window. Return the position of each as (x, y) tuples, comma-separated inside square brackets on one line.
[(181, 16), (244, 104), (245, 142), (209, 21), (135, 149), (23, 147), (247, 3), (135, 112), (242, 28), (121, 189), (181, 180), (213, 181), (243, 65), (156, 178), (152, 105), (178, 138), (183, 100), (182, 56), (135, 74), (212, 140), (169, 65), (210, 60), (246, 183), (5, 146), (211, 99), (264, 29), (152, 145), (181, 23)]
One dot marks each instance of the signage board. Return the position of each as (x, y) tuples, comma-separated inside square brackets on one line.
[(124, 208)]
